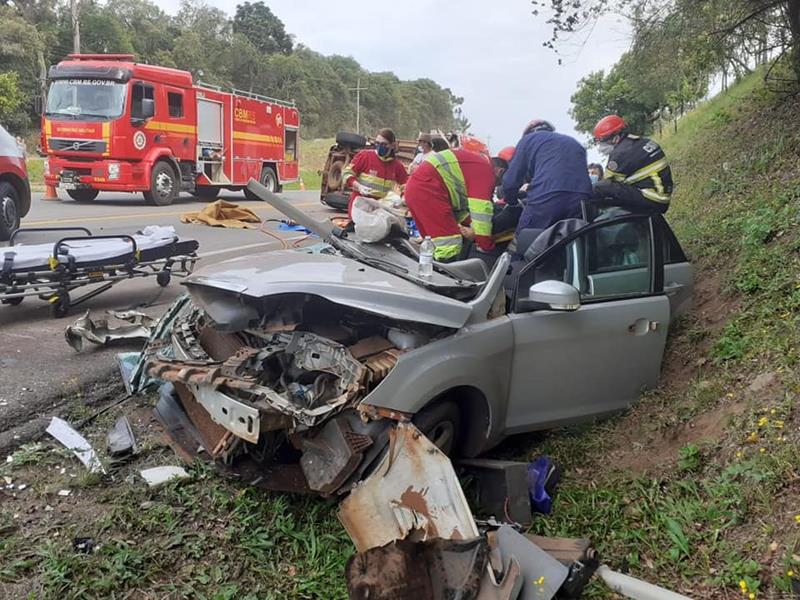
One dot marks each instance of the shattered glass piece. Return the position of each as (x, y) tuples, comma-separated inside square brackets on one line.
[(74, 441)]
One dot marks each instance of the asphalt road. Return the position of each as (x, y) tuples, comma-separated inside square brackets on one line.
[(38, 370)]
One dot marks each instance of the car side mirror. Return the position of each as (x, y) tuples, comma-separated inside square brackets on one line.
[(553, 295)]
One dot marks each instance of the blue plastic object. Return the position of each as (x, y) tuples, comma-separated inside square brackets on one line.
[(538, 472)]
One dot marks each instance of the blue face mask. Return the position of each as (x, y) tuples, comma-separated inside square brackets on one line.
[(383, 150), (594, 177)]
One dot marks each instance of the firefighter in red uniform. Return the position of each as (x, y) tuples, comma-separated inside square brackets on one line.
[(374, 173), (450, 196)]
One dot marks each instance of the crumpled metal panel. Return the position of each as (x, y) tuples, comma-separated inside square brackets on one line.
[(413, 493), (138, 326), (404, 570)]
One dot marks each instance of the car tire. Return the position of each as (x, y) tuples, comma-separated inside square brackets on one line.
[(441, 424), (353, 140), (335, 175), (9, 210), (337, 201), (164, 185), (83, 195), (269, 179), (206, 192)]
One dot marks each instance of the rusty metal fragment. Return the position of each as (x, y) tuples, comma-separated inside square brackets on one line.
[(413, 493), (436, 569)]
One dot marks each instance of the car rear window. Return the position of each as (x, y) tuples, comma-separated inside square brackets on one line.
[(8, 145)]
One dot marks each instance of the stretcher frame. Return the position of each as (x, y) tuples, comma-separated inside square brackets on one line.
[(54, 285)]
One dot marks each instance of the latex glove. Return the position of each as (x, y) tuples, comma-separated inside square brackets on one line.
[(362, 189), (467, 232)]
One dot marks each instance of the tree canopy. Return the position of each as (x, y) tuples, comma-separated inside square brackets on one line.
[(251, 51), (677, 48)]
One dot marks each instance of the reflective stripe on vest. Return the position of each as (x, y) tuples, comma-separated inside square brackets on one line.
[(648, 171), (378, 185), (446, 247), (446, 164), (481, 213)]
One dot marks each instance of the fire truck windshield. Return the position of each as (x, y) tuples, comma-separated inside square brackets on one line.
[(89, 99)]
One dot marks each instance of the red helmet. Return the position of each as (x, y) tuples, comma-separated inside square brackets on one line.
[(609, 126), (506, 153)]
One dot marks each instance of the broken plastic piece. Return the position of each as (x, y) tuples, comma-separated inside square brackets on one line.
[(138, 327), (71, 439), (542, 574), (120, 439), (635, 588), (159, 475), (414, 493)]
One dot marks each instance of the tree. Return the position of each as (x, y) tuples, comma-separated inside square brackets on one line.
[(258, 23), (12, 99)]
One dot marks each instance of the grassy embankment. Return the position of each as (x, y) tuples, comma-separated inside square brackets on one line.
[(696, 487)]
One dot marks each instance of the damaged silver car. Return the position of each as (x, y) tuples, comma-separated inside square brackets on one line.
[(293, 366)]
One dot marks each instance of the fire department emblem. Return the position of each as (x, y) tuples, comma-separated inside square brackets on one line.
[(279, 119), (139, 140)]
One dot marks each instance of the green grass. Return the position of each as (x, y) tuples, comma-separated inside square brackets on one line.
[(35, 172)]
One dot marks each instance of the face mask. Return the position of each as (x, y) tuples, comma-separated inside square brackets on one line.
[(420, 149), (594, 177), (605, 148), (383, 150)]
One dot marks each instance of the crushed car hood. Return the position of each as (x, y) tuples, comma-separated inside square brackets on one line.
[(336, 278)]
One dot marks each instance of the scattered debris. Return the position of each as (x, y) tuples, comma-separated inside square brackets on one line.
[(159, 475), (64, 493), (84, 545), (413, 494), (542, 575), (501, 488), (120, 439), (138, 327), (72, 440), (635, 588), (406, 570), (222, 214), (127, 361)]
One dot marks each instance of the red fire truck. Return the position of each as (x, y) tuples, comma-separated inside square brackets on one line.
[(112, 124)]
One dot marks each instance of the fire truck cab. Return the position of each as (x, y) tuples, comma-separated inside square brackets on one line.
[(111, 124)]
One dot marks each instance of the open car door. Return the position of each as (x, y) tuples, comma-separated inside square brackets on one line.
[(596, 355)]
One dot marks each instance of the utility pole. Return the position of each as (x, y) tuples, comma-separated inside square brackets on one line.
[(358, 89), (75, 9)]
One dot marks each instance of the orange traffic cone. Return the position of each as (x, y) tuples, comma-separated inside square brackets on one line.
[(302, 185), (50, 193)]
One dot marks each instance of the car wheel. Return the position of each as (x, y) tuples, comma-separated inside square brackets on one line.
[(83, 195), (268, 179), (441, 424), (335, 175), (163, 185), (9, 211), (351, 139)]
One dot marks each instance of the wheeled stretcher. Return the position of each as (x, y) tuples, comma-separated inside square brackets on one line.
[(52, 271)]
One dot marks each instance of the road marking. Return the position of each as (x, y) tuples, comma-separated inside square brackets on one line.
[(249, 246), (141, 215)]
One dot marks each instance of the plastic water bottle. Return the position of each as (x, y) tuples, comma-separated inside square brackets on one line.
[(426, 257)]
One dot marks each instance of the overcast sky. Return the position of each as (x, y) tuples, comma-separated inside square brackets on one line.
[(488, 52)]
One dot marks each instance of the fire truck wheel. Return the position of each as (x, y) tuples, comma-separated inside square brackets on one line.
[(335, 175), (163, 185), (83, 195), (353, 140), (9, 210), (268, 179)]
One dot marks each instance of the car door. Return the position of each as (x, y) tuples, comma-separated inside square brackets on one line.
[(570, 366), (678, 272)]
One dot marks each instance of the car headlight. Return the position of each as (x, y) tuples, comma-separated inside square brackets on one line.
[(47, 167), (113, 170)]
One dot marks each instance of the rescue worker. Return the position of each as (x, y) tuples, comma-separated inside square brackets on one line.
[(450, 196), (424, 147), (595, 171), (554, 166), (506, 216), (375, 172), (637, 176)]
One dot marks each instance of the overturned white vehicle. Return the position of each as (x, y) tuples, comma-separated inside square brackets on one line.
[(292, 366)]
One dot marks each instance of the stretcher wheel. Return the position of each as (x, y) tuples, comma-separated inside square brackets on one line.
[(163, 277), (60, 306), (13, 301)]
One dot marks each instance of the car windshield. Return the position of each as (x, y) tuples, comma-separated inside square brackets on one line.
[(86, 99)]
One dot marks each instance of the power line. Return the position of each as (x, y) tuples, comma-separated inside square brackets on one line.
[(358, 89)]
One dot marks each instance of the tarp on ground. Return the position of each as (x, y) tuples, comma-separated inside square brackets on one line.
[(223, 214)]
